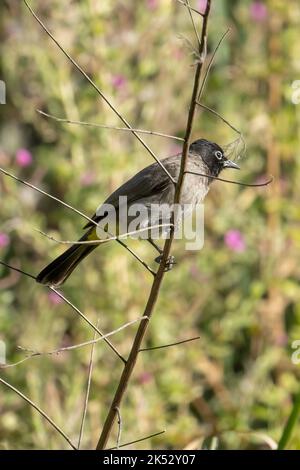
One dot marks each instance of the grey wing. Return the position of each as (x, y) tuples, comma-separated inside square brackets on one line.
[(147, 182)]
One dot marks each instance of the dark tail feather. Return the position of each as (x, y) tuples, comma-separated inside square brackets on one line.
[(60, 269)]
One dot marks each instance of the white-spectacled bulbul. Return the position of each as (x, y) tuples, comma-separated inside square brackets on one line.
[(149, 186)]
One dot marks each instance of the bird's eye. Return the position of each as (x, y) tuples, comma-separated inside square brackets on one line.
[(219, 155)]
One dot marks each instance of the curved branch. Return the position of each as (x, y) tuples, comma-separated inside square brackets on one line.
[(67, 301), (40, 411), (129, 367), (103, 96), (104, 126)]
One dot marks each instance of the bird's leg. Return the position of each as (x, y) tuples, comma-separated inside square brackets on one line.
[(170, 261)]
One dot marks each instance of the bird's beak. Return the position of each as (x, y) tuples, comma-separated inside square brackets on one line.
[(230, 164)]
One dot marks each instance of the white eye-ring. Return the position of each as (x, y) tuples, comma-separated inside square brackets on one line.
[(219, 155)]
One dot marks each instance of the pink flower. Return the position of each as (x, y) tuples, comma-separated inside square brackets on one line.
[(178, 53), (118, 81), (282, 340), (258, 11), (202, 5), (4, 240), (144, 378), (23, 157), (235, 240), (87, 178), (152, 4), (54, 298), (194, 271)]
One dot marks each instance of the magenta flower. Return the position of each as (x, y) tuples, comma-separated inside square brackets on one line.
[(178, 53), (87, 178), (118, 81), (4, 240), (144, 378), (235, 240), (202, 5), (54, 298), (23, 157), (258, 11), (152, 4), (282, 340)]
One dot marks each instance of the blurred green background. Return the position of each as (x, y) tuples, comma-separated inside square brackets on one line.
[(240, 293)]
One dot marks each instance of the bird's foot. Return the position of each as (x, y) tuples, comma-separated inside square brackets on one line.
[(169, 263)]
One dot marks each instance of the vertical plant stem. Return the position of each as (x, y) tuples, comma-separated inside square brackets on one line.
[(129, 366), (40, 411), (88, 387)]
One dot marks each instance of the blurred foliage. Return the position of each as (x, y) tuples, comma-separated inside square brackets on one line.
[(238, 381)]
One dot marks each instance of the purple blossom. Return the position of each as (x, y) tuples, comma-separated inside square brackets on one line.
[(282, 340), (23, 157), (87, 178), (152, 4), (178, 53), (118, 81), (4, 240), (258, 11), (234, 240), (202, 5), (144, 378), (54, 298), (194, 271)]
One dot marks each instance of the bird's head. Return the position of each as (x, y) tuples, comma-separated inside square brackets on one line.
[(212, 155)]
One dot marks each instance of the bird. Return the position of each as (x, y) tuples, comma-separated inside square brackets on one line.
[(151, 185)]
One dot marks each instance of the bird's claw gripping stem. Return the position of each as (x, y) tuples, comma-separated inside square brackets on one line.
[(169, 263)]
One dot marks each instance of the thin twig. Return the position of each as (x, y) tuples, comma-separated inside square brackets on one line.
[(129, 367), (67, 301), (212, 111), (189, 45), (202, 86), (40, 411), (136, 256), (219, 116), (120, 424), (240, 183), (193, 22), (68, 348), (139, 440), (41, 191), (120, 117), (171, 344), (190, 8), (17, 270), (88, 321), (68, 206), (104, 126), (100, 241), (87, 393), (103, 96), (210, 64)]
